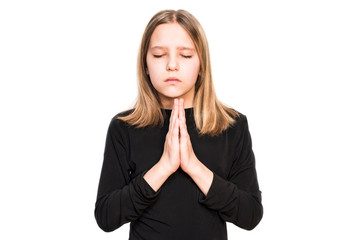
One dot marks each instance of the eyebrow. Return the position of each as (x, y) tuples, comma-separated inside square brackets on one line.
[(178, 48)]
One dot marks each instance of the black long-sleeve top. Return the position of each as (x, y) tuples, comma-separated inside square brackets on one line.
[(178, 210)]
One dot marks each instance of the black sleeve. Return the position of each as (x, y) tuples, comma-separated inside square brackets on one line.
[(120, 199), (238, 198)]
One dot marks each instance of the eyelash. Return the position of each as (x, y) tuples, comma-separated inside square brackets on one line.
[(185, 56)]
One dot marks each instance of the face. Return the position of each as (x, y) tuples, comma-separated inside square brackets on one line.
[(172, 64)]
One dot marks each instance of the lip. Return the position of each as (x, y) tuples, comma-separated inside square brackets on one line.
[(172, 80)]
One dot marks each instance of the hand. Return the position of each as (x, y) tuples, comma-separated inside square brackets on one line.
[(178, 152), (188, 158), (200, 174), (170, 158)]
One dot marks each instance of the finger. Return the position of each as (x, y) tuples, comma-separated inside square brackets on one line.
[(176, 103), (183, 115), (183, 130), (172, 116), (176, 130), (176, 111), (181, 110)]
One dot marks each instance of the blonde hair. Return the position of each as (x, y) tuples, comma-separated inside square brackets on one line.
[(211, 116)]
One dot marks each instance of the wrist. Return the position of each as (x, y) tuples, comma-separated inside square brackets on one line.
[(201, 175), (164, 168), (193, 168), (156, 176)]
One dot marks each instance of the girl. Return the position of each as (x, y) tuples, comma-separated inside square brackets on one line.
[(179, 164)]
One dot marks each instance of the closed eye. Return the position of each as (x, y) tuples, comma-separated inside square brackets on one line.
[(187, 56), (158, 56)]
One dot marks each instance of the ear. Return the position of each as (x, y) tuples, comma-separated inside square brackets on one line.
[(147, 71)]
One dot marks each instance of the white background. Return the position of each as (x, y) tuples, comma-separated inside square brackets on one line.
[(293, 67)]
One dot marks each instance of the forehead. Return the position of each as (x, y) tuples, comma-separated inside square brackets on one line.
[(170, 35)]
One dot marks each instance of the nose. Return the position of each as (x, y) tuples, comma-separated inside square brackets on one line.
[(172, 65)]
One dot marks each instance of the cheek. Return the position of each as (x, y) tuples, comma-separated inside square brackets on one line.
[(152, 69), (155, 66), (154, 72), (192, 69)]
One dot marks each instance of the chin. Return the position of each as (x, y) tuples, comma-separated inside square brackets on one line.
[(175, 93), (172, 95)]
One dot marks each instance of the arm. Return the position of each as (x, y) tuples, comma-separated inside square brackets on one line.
[(200, 174), (238, 198), (119, 199), (170, 160)]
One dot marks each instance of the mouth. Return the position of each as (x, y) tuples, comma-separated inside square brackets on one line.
[(172, 80)]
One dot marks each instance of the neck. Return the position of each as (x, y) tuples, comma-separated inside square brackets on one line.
[(168, 102)]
